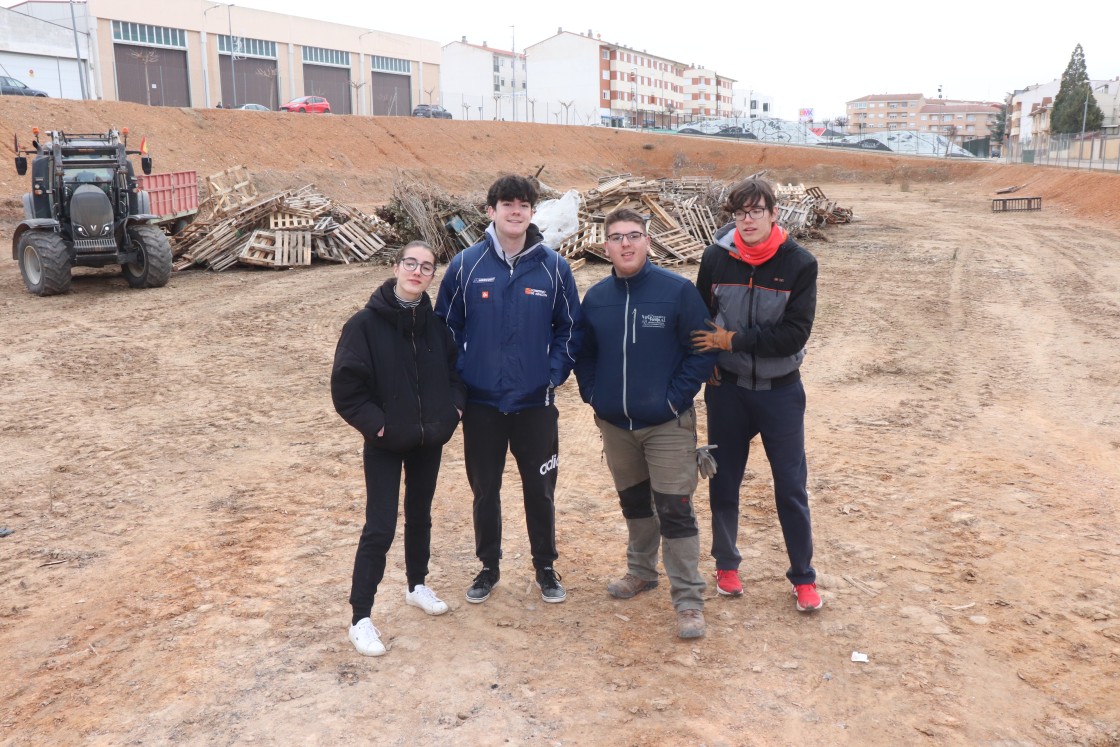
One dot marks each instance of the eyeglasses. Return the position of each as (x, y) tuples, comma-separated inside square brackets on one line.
[(756, 213), (633, 237), (410, 265)]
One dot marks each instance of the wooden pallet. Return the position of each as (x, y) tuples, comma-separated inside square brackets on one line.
[(277, 249), (289, 220), (231, 189)]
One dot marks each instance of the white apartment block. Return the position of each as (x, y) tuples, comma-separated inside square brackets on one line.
[(480, 82), (580, 79), (749, 103), (1028, 110)]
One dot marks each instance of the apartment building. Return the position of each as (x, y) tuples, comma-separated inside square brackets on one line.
[(963, 120), (1028, 110), (579, 78), (481, 82), (751, 103), (195, 53)]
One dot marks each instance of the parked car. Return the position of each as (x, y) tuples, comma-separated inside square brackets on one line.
[(12, 87), (433, 111), (255, 107), (305, 104)]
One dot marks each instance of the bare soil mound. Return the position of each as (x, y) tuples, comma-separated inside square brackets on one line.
[(184, 503)]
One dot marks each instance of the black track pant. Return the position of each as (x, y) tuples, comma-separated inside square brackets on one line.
[(383, 482), (532, 437)]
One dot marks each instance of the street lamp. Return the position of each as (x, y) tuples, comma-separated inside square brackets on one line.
[(362, 72)]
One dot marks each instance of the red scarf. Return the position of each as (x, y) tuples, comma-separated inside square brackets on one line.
[(756, 255)]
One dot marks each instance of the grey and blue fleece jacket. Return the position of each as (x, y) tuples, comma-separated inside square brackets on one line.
[(636, 366), (770, 308), (514, 326)]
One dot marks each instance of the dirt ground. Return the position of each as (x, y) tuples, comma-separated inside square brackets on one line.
[(185, 504)]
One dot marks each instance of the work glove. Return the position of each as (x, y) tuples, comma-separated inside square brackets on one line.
[(705, 462), (718, 339)]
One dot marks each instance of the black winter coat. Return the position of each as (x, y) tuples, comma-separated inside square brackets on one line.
[(394, 368)]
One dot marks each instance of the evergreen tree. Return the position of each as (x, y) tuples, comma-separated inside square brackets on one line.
[(1069, 105), (998, 124)]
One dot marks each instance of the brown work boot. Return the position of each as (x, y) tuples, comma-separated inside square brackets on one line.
[(690, 624), (628, 586)]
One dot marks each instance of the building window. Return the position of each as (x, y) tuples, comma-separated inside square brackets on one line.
[(321, 56), (248, 47), (155, 36), (390, 64), (606, 54), (607, 95)]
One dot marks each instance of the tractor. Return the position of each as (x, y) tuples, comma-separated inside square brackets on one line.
[(86, 210)]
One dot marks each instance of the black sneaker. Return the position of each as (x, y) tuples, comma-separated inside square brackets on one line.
[(548, 581), (483, 584)]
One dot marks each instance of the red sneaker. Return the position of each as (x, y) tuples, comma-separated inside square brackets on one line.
[(728, 583), (807, 597)]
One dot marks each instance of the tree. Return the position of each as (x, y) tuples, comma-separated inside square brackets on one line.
[(1074, 106), (997, 124), (146, 58)]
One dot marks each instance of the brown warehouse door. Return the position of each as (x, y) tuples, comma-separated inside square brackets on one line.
[(391, 95), (152, 75), (332, 83), (256, 82)]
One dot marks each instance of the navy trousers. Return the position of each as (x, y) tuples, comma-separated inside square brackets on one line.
[(735, 416)]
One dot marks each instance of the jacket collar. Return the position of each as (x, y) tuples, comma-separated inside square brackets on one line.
[(637, 277), (533, 240)]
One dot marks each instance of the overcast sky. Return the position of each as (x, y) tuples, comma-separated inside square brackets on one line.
[(809, 54)]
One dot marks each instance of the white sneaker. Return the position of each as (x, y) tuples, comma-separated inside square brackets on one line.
[(425, 599), (366, 638)]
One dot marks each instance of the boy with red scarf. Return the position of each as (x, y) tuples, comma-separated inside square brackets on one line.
[(761, 288)]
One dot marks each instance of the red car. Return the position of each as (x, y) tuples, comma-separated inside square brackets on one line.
[(313, 104)]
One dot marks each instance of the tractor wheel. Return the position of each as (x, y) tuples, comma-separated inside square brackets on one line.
[(181, 224), (44, 263), (152, 268)]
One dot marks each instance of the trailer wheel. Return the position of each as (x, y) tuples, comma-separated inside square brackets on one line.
[(44, 263), (152, 268)]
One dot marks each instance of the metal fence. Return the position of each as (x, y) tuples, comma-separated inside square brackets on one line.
[(1095, 151)]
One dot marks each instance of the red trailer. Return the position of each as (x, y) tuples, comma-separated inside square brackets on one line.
[(173, 196)]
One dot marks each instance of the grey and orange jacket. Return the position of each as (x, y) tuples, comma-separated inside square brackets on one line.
[(769, 307)]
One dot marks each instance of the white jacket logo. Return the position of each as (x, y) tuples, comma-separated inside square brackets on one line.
[(550, 465)]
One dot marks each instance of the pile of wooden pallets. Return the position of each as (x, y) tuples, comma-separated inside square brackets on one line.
[(802, 211), (280, 230), (681, 216)]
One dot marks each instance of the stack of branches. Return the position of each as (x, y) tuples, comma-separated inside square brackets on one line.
[(280, 230), (421, 210)]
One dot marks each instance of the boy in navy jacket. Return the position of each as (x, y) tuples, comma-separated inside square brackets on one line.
[(511, 304), (638, 371)]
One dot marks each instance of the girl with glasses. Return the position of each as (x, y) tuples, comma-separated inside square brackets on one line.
[(394, 380)]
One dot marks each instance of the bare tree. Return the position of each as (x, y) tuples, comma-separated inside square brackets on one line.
[(950, 133), (146, 57), (270, 73)]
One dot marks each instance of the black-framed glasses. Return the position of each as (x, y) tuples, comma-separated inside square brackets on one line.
[(410, 265), (756, 213), (632, 237)]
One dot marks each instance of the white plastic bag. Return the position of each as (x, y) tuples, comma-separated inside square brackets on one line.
[(558, 219)]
